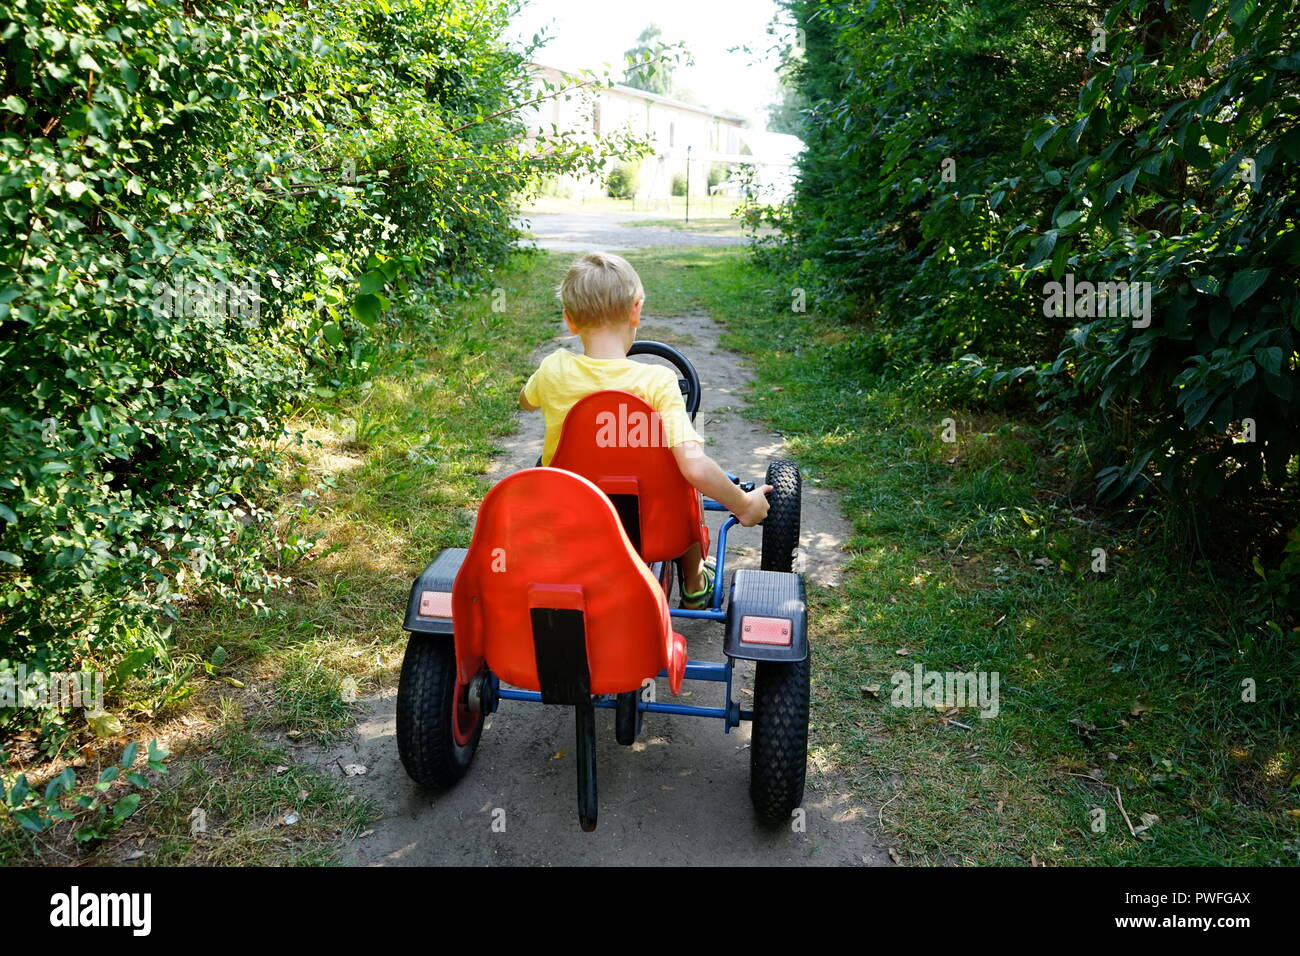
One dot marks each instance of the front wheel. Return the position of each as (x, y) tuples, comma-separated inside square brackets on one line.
[(781, 526), (437, 733), (778, 750)]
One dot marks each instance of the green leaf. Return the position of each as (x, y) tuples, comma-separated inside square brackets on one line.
[(1269, 359), (1245, 284), (333, 334), (15, 105), (9, 557), (126, 806), (31, 820), (128, 755), (1042, 249), (366, 308)]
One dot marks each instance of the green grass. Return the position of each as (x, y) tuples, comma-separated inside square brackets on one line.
[(1123, 686), (706, 225)]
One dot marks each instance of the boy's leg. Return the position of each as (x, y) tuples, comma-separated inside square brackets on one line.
[(691, 567)]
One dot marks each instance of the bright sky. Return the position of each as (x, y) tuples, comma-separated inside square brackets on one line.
[(590, 34)]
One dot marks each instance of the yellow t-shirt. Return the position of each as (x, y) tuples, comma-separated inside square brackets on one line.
[(564, 378)]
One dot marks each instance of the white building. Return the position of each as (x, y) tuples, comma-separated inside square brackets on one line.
[(684, 136)]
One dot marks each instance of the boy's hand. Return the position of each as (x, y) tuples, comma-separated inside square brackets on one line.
[(755, 507)]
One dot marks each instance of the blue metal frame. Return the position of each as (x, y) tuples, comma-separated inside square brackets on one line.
[(731, 714)]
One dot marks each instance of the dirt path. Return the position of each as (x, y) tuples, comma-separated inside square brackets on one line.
[(677, 797)]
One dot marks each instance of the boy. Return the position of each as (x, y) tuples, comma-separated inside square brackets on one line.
[(602, 297)]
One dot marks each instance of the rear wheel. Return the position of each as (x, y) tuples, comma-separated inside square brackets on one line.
[(781, 526), (778, 752), (627, 718), (437, 734)]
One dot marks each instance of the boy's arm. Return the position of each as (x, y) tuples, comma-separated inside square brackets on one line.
[(749, 507), (529, 397)]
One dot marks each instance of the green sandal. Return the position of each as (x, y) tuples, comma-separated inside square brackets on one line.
[(700, 600)]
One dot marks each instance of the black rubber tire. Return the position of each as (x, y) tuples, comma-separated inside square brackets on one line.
[(584, 721), (781, 526), (627, 718), (778, 747), (426, 693)]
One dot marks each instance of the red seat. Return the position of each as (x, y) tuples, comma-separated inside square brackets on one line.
[(552, 596), (615, 440)]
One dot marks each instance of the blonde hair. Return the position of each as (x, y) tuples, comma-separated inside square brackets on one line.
[(600, 288)]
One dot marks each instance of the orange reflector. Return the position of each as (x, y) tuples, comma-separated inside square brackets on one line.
[(435, 604), (765, 630)]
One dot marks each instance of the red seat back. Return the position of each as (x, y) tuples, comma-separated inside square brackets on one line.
[(616, 440), (550, 584)]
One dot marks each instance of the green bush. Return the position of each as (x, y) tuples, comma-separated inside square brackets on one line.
[(623, 181), (679, 184), (207, 211), (960, 159)]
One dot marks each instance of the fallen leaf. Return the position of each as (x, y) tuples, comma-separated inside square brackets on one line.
[(872, 689), (348, 690), (893, 855), (198, 822), (289, 818), (104, 724), (903, 652), (354, 770), (558, 755)]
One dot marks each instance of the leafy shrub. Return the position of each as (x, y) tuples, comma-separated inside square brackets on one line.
[(623, 181), (60, 801), (207, 211), (679, 184), (959, 159)]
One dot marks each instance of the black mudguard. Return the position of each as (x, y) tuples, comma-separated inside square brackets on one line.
[(770, 600)]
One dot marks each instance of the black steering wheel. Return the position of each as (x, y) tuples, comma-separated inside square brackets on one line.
[(689, 383)]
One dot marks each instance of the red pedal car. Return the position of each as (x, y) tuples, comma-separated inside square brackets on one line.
[(563, 598)]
